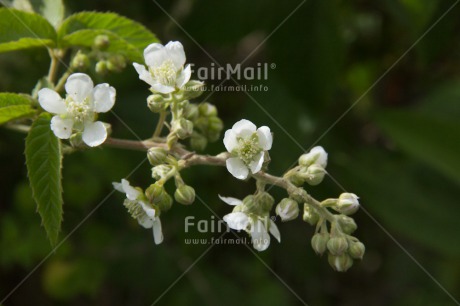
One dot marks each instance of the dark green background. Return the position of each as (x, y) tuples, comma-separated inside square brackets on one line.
[(398, 148)]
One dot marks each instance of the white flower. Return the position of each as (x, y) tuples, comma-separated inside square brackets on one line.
[(247, 145), (78, 110), (256, 226), (139, 209), (166, 71), (317, 156), (348, 203)]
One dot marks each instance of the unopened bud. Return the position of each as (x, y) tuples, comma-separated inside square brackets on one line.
[(215, 126), (356, 250), (191, 111), (101, 42), (309, 215), (319, 242), (185, 195), (337, 245), (116, 63), (101, 68), (198, 142), (80, 62), (347, 203), (347, 224), (156, 103), (193, 89), (155, 193), (287, 209), (314, 174), (296, 179), (250, 205), (207, 109), (156, 156), (183, 128), (317, 156), (265, 201), (165, 202), (340, 263)]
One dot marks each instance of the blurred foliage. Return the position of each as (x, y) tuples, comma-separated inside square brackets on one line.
[(397, 148)]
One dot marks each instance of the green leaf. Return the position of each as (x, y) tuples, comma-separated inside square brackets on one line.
[(53, 11), (21, 30), (14, 106), (43, 160), (126, 36), (432, 140)]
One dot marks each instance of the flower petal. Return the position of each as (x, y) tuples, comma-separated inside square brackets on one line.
[(184, 77), (144, 74), (257, 163), (320, 155), (259, 235), (230, 200), (94, 133), (79, 86), (62, 128), (274, 230), (237, 168), (244, 128), (176, 53), (230, 141), (51, 101), (104, 97), (131, 192), (265, 137), (155, 54), (149, 211), (157, 87), (237, 220), (157, 231), (145, 221)]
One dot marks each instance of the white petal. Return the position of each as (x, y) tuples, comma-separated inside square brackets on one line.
[(79, 86), (274, 230), (94, 133), (51, 101), (144, 74), (149, 211), (230, 141), (157, 231), (131, 192), (237, 220), (230, 200), (244, 128), (265, 137), (118, 187), (162, 88), (176, 53), (155, 54), (257, 163), (145, 221), (259, 235), (62, 128), (104, 98), (184, 77), (320, 155), (237, 168)]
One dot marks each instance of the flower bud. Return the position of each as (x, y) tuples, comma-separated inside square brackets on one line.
[(265, 201), (319, 242), (347, 203), (101, 68), (317, 156), (101, 42), (155, 193), (314, 175), (296, 179), (215, 126), (198, 142), (207, 109), (183, 128), (156, 156), (185, 195), (160, 171), (340, 263), (337, 245), (80, 62), (250, 205), (287, 209), (191, 111), (165, 202), (116, 63), (156, 103), (309, 215), (193, 89), (347, 224), (356, 249)]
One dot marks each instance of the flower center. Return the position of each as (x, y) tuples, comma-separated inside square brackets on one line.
[(79, 111), (248, 148), (166, 73), (134, 209)]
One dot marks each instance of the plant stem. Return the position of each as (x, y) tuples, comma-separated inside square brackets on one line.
[(60, 84), (54, 65), (160, 124)]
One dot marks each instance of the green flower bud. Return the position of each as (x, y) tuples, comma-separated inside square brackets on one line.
[(155, 193), (198, 142), (319, 242), (101, 42), (265, 201), (317, 156), (183, 128), (207, 109), (347, 203), (165, 202), (101, 68), (80, 62), (185, 195), (287, 209), (116, 63), (296, 179), (193, 89), (156, 103), (340, 263), (347, 224), (314, 174), (310, 215), (191, 111), (156, 156), (337, 245), (215, 126), (356, 250), (250, 204)]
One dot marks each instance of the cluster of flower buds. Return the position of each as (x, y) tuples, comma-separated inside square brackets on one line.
[(311, 168)]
